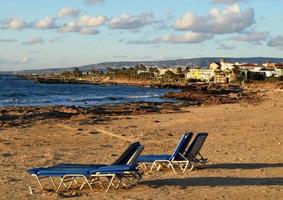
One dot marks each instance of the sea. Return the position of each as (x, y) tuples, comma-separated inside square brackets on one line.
[(15, 91)]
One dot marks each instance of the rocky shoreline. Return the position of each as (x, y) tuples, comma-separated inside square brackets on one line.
[(24, 116), (214, 94), (195, 95)]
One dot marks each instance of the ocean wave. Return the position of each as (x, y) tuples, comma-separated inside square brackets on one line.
[(139, 97)]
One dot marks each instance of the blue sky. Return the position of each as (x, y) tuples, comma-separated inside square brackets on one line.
[(56, 33)]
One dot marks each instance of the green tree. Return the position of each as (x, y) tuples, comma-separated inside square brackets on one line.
[(77, 72)]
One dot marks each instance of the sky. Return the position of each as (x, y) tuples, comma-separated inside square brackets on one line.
[(37, 34)]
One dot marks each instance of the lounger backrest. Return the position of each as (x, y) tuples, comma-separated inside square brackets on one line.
[(196, 145), (181, 147), (128, 153), (134, 157)]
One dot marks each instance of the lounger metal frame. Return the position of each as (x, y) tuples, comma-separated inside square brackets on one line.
[(183, 164), (89, 181), (187, 162)]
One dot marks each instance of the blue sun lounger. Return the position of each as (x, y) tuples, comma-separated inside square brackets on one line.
[(124, 159), (90, 174), (193, 154), (177, 158)]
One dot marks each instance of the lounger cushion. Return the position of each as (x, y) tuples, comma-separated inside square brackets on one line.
[(115, 169), (53, 171), (86, 171), (35, 170), (152, 158), (73, 165)]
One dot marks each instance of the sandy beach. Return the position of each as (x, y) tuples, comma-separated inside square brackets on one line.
[(244, 148)]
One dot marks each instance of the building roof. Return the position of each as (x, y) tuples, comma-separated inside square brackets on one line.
[(249, 65), (279, 65)]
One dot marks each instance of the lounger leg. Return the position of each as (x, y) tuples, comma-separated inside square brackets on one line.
[(53, 182), (61, 183), (40, 184), (82, 186), (88, 183), (192, 166), (71, 183), (111, 182), (76, 182), (100, 183), (152, 166), (203, 160), (144, 165), (94, 179), (119, 182), (185, 168), (137, 178), (139, 174), (172, 167), (65, 185)]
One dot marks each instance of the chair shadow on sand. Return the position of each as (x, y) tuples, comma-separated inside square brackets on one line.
[(243, 165), (222, 181)]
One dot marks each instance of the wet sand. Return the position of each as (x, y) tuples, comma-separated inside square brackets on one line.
[(244, 148)]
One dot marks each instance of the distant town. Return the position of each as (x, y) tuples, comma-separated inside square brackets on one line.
[(215, 72)]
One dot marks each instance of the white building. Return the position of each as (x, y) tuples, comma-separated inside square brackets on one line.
[(268, 72), (200, 74), (226, 66), (278, 72)]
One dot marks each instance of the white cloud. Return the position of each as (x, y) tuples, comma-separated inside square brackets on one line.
[(187, 38), (85, 25), (68, 11), (127, 21), (276, 41), (91, 21), (69, 27), (73, 27), (33, 41), (26, 60), (45, 23), (231, 19), (14, 23), (254, 38)]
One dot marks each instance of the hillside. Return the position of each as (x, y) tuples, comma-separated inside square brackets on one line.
[(201, 62)]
